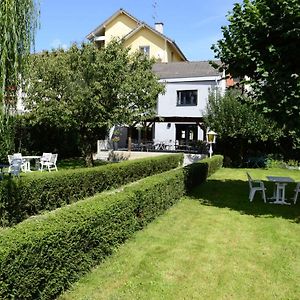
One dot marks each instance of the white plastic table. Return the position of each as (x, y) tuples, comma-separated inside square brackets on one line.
[(28, 158), (279, 192)]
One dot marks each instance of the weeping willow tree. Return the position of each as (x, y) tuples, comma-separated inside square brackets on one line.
[(18, 23)]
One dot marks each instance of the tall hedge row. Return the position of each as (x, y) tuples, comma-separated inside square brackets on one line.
[(42, 256), (197, 173), (31, 194)]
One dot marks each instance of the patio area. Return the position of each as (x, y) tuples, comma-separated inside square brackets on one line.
[(107, 151)]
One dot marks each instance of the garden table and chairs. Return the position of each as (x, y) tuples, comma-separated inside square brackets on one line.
[(47, 161), (279, 192), (26, 160)]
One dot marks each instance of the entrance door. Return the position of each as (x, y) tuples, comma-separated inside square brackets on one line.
[(186, 134)]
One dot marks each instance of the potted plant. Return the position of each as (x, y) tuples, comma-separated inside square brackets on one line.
[(115, 141)]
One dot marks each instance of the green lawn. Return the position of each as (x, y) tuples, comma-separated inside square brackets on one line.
[(213, 244), (75, 163)]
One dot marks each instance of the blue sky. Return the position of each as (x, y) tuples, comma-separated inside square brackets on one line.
[(193, 24)]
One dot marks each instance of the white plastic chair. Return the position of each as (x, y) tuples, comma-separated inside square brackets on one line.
[(297, 190), (24, 163), (15, 167), (51, 164), (256, 185), (44, 159)]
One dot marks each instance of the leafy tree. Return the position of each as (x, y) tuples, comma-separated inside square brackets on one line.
[(90, 89), (238, 126), (139, 93), (18, 21), (261, 44), (7, 126)]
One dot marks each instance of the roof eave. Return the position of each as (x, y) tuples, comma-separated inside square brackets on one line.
[(144, 25), (179, 51), (104, 24)]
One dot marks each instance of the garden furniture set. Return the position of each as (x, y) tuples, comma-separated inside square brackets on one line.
[(18, 163), (278, 196)]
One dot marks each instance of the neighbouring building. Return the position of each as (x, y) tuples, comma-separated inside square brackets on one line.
[(138, 36)]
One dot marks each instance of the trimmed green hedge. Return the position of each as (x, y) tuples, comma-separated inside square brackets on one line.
[(42, 256), (198, 172), (32, 194)]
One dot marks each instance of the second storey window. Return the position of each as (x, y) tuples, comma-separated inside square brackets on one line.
[(145, 50), (187, 98)]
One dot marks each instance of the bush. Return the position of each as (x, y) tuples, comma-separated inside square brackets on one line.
[(45, 137), (30, 195), (42, 256), (198, 172), (156, 194)]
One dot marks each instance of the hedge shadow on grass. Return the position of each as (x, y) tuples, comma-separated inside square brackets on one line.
[(233, 194)]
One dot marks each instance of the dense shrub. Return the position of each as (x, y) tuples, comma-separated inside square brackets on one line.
[(45, 137), (156, 194), (197, 173), (42, 256), (31, 194)]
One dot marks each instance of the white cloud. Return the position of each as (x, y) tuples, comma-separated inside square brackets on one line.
[(56, 43)]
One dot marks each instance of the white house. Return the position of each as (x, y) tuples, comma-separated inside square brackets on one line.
[(179, 119), (180, 109)]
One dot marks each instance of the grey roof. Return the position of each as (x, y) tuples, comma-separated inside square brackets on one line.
[(185, 69)]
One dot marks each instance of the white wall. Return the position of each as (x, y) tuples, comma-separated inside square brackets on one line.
[(167, 106), (164, 133), (167, 103)]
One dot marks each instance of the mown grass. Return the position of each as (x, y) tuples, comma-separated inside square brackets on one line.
[(75, 163), (214, 244)]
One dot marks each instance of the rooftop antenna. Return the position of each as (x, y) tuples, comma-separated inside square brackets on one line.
[(154, 16)]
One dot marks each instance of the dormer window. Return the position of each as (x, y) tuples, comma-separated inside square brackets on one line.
[(145, 50)]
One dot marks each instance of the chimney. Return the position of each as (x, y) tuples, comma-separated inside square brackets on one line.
[(159, 26)]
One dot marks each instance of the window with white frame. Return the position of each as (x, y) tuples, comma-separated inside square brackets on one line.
[(145, 50), (187, 98)]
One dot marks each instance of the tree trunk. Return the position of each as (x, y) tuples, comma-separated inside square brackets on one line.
[(88, 155), (89, 161), (129, 138)]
